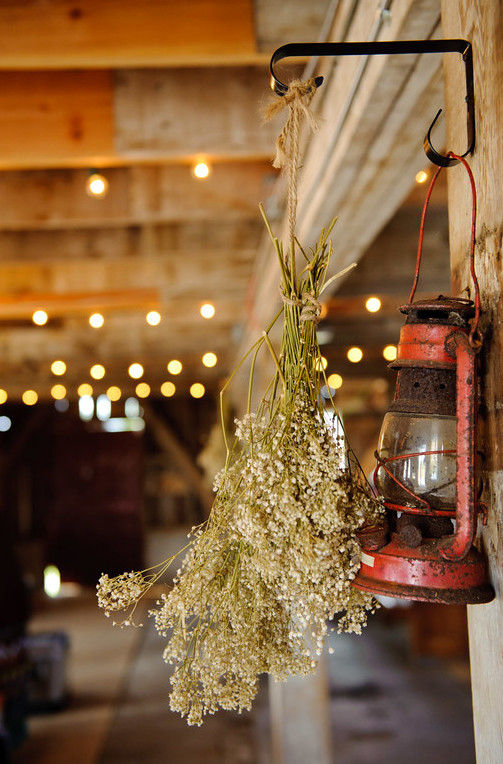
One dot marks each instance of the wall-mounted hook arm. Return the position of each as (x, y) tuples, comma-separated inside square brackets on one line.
[(390, 47)]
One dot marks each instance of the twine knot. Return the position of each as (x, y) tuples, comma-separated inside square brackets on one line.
[(310, 308)]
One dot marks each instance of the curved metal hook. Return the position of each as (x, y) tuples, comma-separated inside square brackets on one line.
[(391, 47)]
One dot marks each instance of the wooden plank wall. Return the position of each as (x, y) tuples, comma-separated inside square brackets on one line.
[(481, 22)]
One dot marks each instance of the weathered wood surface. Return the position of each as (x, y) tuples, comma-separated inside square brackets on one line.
[(145, 194), (93, 33), (86, 118), (482, 24)]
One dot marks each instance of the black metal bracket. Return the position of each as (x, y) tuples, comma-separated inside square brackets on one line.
[(390, 47)]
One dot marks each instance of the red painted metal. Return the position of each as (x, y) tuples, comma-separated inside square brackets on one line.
[(423, 574), (415, 554)]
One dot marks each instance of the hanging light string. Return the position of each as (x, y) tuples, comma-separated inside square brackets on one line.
[(474, 333)]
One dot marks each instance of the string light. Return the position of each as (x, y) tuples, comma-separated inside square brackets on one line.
[(153, 318), (335, 381), (96, 320), (142, 390), (84, 389), (136, 370), (201, 169), (389, 352), (421, 176), (207, 310), (39, 317), (209, 360), (58, 392), (29, 397), (114, 393), (373, 304), (96, 185), (3, 395), (58, 368), (197, 390), (321, 363), (355, 355), (174, 367), (97, 371), (168, 389)]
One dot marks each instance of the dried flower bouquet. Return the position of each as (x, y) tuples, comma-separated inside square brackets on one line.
[(273, 564)]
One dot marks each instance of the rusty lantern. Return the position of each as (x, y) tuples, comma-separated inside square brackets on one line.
[(427, 458)]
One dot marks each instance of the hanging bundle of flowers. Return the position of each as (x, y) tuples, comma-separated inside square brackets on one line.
[(272, 566)]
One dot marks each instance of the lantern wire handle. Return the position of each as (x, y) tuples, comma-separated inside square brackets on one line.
[(474, 333)]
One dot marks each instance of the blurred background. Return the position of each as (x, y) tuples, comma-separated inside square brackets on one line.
[(134, 274)]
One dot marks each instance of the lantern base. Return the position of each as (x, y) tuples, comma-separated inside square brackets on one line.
[(423, 574)]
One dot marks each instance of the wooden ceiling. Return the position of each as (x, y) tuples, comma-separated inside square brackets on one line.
[(142, 90)]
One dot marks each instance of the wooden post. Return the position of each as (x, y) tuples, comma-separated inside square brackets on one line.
[(482, 24)]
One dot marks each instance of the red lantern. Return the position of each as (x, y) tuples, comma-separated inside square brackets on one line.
[(426, 459)]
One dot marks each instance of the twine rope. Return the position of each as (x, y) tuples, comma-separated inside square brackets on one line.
[(310, 307), (297, 99)]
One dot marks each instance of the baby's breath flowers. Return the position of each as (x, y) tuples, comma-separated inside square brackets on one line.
[(274, 562)]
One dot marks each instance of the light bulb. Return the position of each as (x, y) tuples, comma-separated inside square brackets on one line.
[(40, 317), (373, 304), (197, 390), (58, 368), (201, 170), (135, 370), (207, 310), (355, 355), (96, 320), (97, 185), (209, 360), (174, 367)]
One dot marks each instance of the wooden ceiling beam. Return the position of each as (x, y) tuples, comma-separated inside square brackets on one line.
[(138, 195), (81, 118), (96, 34)]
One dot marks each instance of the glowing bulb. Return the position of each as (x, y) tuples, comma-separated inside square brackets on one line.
[(52, 581), (421, 176), (389, 352), (103, 407), (135, 370), (114, 393), (39, 317), (168, 389), (97, 371), (97, 185), (3, 396), (29, 397), (197, 390), (58, 392), (84, 389), (153, 318), (209, 360), (373, 304), (142, 390), (201, 170), (355, 355), (132, 408), (86, 408), (58, 368), (207, 310), (335, 381), (321, 363), (174, 367), (96, 320), (5, 423)]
